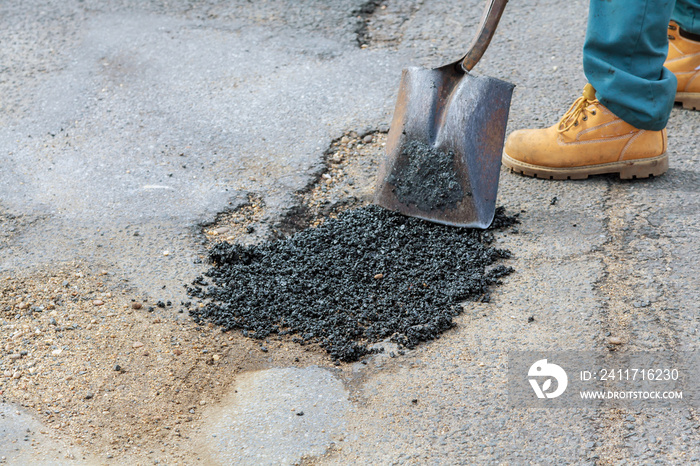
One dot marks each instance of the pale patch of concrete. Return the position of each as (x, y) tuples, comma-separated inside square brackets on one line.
[(277, 416), (21, 441)]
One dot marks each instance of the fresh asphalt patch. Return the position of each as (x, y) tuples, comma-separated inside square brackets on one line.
[(364, 277)]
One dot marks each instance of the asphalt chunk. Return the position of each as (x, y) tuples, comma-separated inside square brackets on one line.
[(427, 178), (319, 285)]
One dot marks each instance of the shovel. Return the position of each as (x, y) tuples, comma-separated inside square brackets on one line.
[(443, 151)]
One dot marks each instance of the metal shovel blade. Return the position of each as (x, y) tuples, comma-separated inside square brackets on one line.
[(443, 153)]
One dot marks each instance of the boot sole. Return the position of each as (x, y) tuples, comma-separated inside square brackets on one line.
[(628, 169), (689, 100)]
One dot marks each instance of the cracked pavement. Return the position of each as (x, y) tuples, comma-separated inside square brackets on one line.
[(117, 117)]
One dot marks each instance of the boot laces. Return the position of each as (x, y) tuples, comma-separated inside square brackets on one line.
[(578, 108)]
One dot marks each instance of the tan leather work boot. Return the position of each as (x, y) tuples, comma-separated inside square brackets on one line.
[(684, 61), (588, 140)]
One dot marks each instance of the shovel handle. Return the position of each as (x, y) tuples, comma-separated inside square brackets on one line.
[(489, 22)]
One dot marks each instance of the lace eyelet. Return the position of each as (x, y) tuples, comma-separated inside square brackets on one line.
[(576, 123), (593, 112), (670, 37), (585, 118)]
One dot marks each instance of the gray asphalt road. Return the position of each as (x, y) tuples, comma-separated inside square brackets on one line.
[(152, 117)]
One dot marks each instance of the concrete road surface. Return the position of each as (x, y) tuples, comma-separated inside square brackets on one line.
[(154, 116)]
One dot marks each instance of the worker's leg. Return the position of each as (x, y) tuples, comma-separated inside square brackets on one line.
[(684, 52), (623, 57), (687, 15)]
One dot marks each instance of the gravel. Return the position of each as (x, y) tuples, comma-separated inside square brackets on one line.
[(321, 284), (427, 178)]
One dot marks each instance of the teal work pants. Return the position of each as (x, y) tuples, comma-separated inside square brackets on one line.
[(624, 53)]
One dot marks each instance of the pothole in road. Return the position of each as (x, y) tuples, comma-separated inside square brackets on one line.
[(356, 275), (382, 24), (236, 224), (347, 181)]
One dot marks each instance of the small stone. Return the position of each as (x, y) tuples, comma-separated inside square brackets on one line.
[(379, 276), (177, 352), (216, 357), (367, 139), (23, 306), (118, 368), (17, 375), (202, 403), (14, 357), (89, 395), (300, 413), (137, 344), (614, 341), (98, 302), (166, 253), (136, 305), (7, 373), (56, 352)]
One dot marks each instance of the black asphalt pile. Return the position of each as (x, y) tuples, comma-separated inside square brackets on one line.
[(367, 276), (427, 177)]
